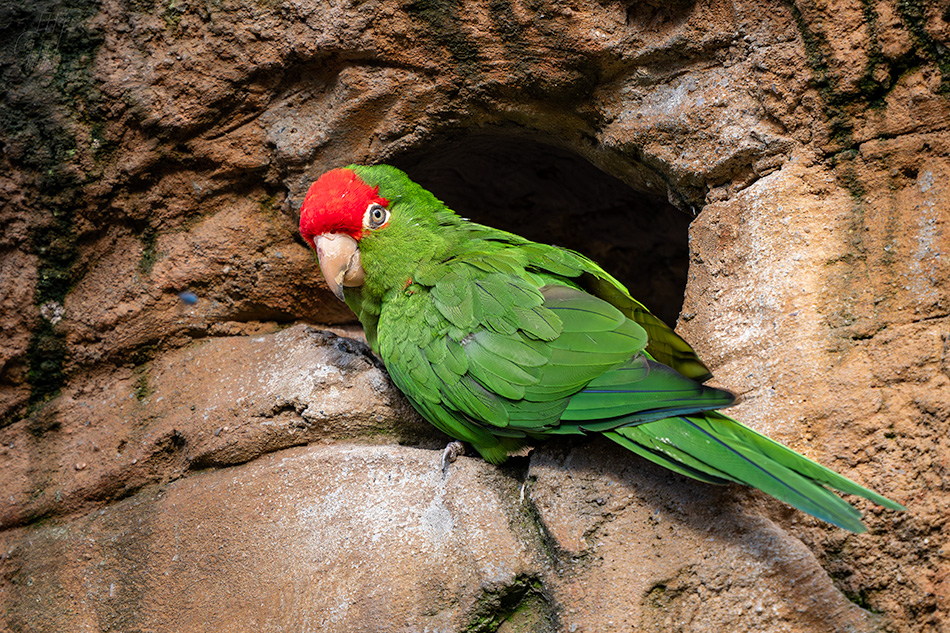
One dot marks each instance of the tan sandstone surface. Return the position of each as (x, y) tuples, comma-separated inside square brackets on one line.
[(185, 445)]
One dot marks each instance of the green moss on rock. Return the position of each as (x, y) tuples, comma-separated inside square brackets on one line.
[(47, 49), (518, 606)]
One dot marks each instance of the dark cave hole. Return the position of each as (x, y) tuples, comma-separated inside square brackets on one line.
[(552, 195)]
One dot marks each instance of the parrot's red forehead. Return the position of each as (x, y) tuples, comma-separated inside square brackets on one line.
[(336, 203)]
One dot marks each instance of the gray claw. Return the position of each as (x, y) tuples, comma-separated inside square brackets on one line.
[(452, 452)]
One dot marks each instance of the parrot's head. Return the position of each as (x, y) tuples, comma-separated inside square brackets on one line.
[(368, 223)]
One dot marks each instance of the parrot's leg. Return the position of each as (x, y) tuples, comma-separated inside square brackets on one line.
[(452, 452)]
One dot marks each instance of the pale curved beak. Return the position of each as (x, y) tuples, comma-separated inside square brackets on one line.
[(339, 256)]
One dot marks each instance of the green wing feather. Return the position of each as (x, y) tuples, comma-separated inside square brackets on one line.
[(639, 391), (485, 354), (665, 345)]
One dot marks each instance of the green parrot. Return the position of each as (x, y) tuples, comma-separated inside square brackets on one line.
[(499, 341)]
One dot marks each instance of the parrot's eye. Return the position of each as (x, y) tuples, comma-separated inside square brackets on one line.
[(376, 216)]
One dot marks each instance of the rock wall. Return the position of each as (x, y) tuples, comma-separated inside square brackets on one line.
[(180, 449)]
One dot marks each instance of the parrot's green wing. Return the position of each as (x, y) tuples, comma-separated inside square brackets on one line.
[(664, 345), (492, 357)]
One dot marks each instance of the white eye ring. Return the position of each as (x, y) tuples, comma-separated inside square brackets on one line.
[(376, 216)]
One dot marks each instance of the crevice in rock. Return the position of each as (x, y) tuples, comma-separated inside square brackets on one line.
[(557, 556), (526, 518), (521, 605), (552, 195)]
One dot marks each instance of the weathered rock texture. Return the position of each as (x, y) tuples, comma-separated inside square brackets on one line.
[(172, 464)]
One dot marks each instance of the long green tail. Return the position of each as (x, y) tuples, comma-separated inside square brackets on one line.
[(715, 448)]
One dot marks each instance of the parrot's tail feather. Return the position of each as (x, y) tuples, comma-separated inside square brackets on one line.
[(665, 457), (787, 484), (733, 430), (715, 448)]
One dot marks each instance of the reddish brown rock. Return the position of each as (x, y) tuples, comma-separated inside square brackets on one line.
[(330, 538), (645, 549), (152, 149), (224, 401)]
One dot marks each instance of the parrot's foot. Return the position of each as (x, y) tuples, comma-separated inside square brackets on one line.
[(452, 452)]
